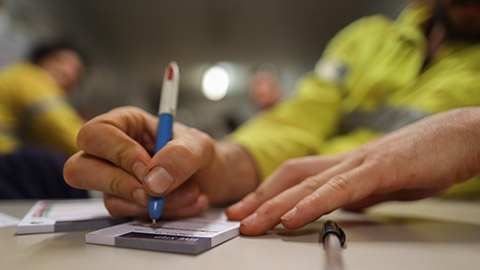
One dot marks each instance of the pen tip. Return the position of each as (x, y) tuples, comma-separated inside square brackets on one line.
[(154, 221)]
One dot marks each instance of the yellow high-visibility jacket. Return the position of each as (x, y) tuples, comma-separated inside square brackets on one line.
[(370, 80), (33, 108)]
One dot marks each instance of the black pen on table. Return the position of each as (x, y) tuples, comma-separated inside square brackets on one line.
[(333, 239)]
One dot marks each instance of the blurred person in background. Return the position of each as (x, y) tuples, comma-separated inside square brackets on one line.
[(376, 76), (265, 89), (38, 127), (264, 92)]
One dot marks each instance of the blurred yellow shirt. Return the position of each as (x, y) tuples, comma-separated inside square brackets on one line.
[(371, 79), (33, 108)]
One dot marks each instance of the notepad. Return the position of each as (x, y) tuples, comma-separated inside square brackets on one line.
[(7, 221), (191, 235), (66, 215)]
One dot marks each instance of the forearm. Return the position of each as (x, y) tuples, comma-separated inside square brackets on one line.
[(448, 141)]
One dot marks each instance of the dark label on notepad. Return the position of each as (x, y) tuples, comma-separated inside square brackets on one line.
[(164, 242), (162, 237)]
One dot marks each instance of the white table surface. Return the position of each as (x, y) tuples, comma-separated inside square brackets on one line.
[(428, 234)]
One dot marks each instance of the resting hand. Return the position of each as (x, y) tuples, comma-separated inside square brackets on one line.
[(417, 161)]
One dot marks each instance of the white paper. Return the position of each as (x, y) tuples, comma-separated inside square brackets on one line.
[(7, 221), (43, 216)]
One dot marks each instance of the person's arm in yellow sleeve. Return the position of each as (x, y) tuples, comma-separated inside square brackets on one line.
[(418, 161), (299, 126), (293, 128), (56, 126), (43, 115), (34, 105)]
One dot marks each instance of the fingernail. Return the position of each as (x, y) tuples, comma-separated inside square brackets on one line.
[(235, 207), (138, 169), (289, 215), (158, 180), (249, 220), (203, 200), (140, 196)]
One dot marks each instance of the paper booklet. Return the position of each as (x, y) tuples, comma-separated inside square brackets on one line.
[(66, 215), (191, 235)]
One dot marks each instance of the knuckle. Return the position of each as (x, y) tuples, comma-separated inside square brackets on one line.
[(184, 159), (340, 184), (183, 150), (119, 156), (383, 158), (115, 186), (256, 196), (289, 165), (383, 162), (204, 140), (270, 207), (125, 154), (311, 200), (310, 184)]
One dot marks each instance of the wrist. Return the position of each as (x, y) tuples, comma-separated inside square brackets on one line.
[(234, 172), (467, 123)]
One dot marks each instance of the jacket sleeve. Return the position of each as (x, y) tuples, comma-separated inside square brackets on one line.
[(300, 125), (292, 129), (57, 126), (44, 115)]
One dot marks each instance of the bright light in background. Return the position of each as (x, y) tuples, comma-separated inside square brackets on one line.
[(215, 83)]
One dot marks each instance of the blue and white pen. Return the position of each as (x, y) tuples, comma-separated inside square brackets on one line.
[(166, 112)]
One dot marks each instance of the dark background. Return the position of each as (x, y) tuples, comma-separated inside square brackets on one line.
[(130, 43)]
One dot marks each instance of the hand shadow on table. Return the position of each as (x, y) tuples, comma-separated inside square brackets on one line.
[(385, 228)]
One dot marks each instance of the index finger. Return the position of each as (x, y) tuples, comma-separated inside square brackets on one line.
[(338, 191), (287, 175), (117, 136)]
